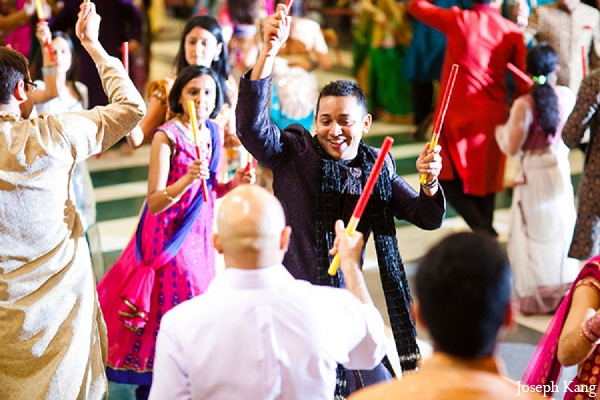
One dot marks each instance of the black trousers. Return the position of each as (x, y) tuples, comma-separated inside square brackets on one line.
[(422, 96), (477, 211)]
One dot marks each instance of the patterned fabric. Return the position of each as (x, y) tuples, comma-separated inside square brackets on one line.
[(162, 280), (393, 277), (586, 238), (52, 336), (567, 33)]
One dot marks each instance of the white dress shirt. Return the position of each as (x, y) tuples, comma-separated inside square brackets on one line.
[(261, 334)]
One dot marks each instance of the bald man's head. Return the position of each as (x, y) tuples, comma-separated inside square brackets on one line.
[(251, 228)]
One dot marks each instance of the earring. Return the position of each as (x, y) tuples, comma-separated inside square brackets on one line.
[(216, 58)]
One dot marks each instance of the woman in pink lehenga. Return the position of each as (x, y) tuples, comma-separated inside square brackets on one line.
[(572, 339), (170, 259)]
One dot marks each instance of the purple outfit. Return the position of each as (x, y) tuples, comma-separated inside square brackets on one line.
[(292, 155), (122, 22), (168, 261)]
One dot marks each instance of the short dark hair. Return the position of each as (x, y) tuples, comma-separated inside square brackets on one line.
[(187, 74), (13, 68), (464, 285), (343, 88), (221, 65)]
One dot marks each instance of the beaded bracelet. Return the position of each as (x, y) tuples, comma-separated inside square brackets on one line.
[(430, 185)]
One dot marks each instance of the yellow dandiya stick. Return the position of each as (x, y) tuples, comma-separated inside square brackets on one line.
[(437, 128), (364, 198), (41, 18), (193, 121)]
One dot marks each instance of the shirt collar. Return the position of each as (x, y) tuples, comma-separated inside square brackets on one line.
[(236, 278)]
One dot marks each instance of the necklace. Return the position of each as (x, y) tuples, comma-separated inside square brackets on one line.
[(9, 116)]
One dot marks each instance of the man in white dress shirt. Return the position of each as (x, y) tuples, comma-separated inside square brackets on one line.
[(257, 333)]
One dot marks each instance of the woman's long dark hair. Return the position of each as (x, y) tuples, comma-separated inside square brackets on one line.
[(71, 73), (541, 61), (221, 65)]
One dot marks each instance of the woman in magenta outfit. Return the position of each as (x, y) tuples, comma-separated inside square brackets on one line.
[(170, 259), (572, 339)]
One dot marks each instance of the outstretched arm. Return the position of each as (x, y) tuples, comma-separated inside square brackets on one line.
[(48, 70), (276, 32), (102, 127), (16, 19)]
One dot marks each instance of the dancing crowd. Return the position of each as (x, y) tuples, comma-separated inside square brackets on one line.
[(278, 322)]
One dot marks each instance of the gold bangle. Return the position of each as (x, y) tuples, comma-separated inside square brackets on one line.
[(168, 196)]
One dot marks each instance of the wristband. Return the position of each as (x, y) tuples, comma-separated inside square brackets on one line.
[(49, 70), (430, 185)]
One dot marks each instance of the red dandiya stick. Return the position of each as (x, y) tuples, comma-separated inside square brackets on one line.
[(519, 74), (125, 55), (249, 164), (364, 198), (437, 128), (583, 61), (192, 112), (41, 18)]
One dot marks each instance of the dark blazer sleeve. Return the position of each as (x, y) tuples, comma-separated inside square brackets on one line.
[(415, 207), (266, 142)]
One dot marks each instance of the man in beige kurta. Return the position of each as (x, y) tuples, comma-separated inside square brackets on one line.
[(568, 26), (52, 335)]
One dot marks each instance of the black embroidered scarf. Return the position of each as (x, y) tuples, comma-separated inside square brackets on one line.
[(391, 268)]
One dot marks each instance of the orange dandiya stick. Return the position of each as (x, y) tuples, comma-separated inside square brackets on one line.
[(519, 74), (437, 128), (125, 55), (192, 112), (41, 18), (583, 61), (364, 198)]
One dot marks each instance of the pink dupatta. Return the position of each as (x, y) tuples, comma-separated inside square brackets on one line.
[(544, 367)]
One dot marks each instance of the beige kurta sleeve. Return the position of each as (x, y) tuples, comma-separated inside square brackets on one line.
[(92, 131), (52, 334)]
